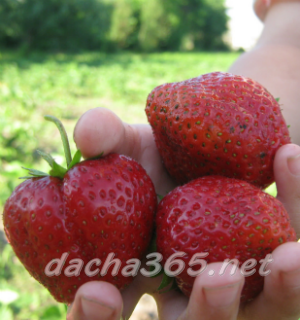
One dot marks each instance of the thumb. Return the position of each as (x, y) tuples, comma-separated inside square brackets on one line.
[(287, 176), (100, 130), (96, 300)]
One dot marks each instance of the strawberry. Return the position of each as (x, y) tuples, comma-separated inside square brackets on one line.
[(217, 124), (226, 218), (97, 207)]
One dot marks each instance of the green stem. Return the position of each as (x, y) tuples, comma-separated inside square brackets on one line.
[(63, 135)]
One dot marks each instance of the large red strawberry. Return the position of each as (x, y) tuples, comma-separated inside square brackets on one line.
[(217, 124), (226, 218), (97, 207)]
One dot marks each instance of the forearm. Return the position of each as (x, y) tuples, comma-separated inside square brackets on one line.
[(275, 61)]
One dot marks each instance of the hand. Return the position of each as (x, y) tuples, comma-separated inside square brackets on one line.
[(217, 297)]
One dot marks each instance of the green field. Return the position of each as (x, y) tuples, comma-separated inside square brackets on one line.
[(69, 85), (66, 86)]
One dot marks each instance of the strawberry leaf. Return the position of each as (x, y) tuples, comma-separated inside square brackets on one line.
[(153, 248), (165, 282), (76, 159), (46, 157), (160, 197), (277, 99), (57, 170), (34, 173), (26, 177), (173, 287)]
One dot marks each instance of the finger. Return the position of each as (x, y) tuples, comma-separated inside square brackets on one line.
[(287, 176), (100, 130), (215, 297), (96, 300), (130, 296), (280, 297)]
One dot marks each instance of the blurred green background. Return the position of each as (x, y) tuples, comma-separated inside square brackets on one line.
[(63, 57)]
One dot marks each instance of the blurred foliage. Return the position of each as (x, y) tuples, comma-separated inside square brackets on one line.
[(272, 190), (67, 85), (125, 24), (182, 24), (106, 25), (54, 24), (159, 26)]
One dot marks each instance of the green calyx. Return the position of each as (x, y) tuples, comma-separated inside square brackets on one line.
[(56, 169), (166, 280)]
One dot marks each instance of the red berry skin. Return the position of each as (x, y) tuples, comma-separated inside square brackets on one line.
[(228, 218), (101, 206), (217, 124)]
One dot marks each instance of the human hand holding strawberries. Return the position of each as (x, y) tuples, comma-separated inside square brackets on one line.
[(100, 130)]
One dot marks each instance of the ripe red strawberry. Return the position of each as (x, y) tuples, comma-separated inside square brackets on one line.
[(217, 124), (227, 218), (98, 207)]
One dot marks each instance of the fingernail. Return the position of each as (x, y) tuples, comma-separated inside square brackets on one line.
[(291, 278), (222, 296), (93, 309), (294, 165)]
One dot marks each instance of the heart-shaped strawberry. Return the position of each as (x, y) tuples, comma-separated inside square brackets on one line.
[(98, 209)]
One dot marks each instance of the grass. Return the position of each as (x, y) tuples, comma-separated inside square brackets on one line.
[(66, 86), (75, 83)]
